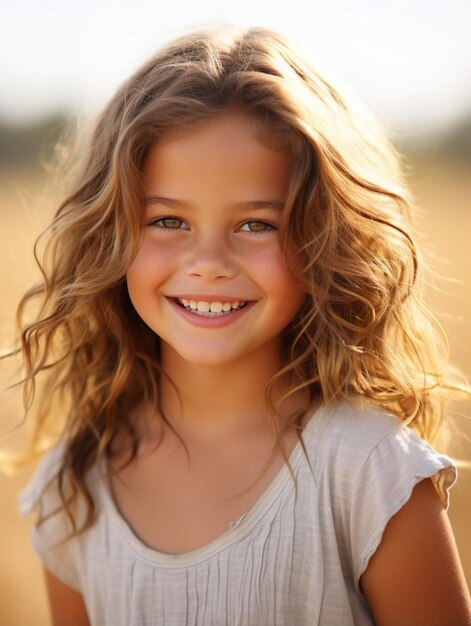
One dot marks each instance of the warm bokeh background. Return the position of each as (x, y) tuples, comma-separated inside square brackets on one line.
[(442, 186), (409, 60)]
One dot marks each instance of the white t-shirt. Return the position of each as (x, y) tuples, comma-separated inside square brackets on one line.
[(295, 559)]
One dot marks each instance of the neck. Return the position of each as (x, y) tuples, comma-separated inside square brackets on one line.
[(214, 401)]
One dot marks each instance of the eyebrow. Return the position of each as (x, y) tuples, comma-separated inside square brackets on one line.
[(247, 204)]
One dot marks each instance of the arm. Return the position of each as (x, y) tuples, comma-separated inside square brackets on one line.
[(67, 606), (415, 577)]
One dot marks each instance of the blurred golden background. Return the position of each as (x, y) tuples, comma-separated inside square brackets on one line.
[(407, 60), (441, 186)]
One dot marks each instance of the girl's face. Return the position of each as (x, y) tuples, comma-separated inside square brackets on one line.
[(209, 277)]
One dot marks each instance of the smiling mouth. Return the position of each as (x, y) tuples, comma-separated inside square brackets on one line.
[(210, 309)]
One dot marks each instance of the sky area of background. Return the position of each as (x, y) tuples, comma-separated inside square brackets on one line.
[(410, 60)]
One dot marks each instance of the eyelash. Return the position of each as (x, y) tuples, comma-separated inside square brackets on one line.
[(270, 227)]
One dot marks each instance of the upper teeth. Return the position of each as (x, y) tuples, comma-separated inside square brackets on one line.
[(215, 307)]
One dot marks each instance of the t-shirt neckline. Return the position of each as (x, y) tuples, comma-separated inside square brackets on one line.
[(240, 529)]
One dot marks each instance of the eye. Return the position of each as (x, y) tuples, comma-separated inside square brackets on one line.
[(169, 223), (256, 227)]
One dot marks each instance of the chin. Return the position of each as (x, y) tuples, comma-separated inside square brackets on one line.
[(205, 353), (207, 358)]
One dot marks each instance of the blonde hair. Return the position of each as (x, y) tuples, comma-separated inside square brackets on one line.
[(362, 332)]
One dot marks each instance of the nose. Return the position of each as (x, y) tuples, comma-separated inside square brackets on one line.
[(210, 258)]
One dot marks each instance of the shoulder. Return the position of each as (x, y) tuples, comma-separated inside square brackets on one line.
[(354, 440), (40, 491), (49, 535), (348, 422), (342, 436), (52, 538), (366, 463)]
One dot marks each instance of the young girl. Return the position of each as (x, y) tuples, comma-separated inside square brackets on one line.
[(246, 376)]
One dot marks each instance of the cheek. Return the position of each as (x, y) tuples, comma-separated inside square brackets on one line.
[(278, 280), (147, 271)]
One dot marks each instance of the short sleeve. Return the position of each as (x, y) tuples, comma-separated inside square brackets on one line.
[(394, 467), (47, 538)]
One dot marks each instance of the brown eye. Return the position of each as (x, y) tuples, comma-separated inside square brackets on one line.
[(170, 223), (257, 227)]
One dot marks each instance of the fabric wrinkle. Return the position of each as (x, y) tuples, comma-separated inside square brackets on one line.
[(294, 559)]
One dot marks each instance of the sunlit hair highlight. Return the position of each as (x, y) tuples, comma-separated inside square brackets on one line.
[(363, 332)]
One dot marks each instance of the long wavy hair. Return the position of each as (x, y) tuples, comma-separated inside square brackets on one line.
[(363, 331)]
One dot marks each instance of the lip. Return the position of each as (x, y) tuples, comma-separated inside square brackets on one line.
[(204, 297), (209, 322)]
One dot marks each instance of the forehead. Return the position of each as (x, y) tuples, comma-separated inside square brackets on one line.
[(227, 152)]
